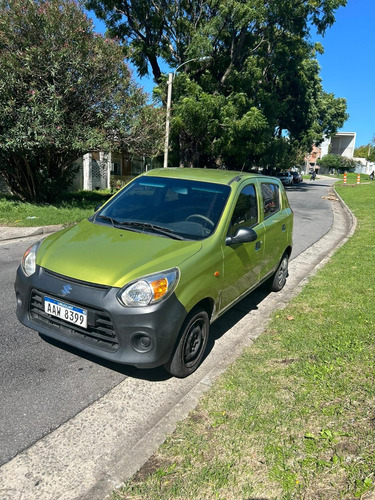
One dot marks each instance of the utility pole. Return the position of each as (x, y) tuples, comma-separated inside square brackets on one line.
[(168, 119), (169, 103)]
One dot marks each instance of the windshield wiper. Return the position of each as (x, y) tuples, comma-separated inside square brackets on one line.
[(116, 224), (105, 217), (132, 225), (154, 227)]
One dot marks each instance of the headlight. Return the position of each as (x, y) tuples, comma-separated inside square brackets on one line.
[(149, 289), (28, 262)]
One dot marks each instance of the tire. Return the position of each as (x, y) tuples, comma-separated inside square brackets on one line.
[(278, 280), (191, 345)]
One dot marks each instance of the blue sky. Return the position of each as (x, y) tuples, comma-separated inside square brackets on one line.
[(347, 65)]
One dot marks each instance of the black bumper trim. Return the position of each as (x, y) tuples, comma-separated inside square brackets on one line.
[(99, 331), (159, 324)]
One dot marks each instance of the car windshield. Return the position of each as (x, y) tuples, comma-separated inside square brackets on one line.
[(174, 208)]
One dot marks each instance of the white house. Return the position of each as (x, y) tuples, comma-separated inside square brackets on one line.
[(364, 166), (96, 169)]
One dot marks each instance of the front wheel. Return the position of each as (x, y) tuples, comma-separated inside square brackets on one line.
[(191, 346), (278, 280)]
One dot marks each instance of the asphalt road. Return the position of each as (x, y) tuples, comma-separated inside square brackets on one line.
[(312, 212), (44, 385)]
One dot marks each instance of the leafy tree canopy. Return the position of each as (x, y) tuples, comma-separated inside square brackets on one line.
[(337, 162), (64, 91), (259, 96), (367, 151)]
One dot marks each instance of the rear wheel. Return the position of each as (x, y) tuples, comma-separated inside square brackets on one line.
[(191, 346), (278, 280)]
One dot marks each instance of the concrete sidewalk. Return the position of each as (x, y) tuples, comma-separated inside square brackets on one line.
[(13, 233)]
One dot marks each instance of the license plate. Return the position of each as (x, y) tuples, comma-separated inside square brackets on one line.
[(67, 312)]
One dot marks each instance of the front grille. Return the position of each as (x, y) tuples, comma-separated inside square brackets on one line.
[(99, 332), (68, 279)]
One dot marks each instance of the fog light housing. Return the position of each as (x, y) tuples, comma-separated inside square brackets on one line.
[(142, 342)]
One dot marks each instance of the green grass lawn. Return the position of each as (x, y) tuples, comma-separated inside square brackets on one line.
[(73, 208), (294, 416)]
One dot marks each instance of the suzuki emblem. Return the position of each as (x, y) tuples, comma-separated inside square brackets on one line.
[(66, 290)]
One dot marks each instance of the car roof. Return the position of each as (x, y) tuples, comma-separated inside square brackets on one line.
[(203, 174)]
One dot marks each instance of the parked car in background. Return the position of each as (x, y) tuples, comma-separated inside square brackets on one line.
[(285, 177), (297, 177), (140, 281)]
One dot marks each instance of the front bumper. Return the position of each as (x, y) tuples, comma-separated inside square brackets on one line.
[(142, 337)]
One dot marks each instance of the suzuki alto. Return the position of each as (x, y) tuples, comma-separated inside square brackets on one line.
[(141, 280)]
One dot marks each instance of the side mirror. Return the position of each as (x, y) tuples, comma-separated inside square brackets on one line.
[(243, 235)]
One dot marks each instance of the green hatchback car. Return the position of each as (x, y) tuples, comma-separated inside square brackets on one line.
[(141, 280)]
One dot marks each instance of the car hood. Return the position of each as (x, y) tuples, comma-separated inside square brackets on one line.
[(108, 256)]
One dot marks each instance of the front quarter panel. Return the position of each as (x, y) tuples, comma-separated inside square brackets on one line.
[(201, 276)]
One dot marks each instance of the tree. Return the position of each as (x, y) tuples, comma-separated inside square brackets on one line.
[(336, 162), (157, 30), (261, 89), (64, 91), (367, 151), (138, 127)]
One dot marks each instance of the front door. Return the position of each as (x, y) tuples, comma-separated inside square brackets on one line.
[(276, 226), (243, 262)]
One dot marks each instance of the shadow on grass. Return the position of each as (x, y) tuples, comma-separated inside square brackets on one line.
[(83, 199)]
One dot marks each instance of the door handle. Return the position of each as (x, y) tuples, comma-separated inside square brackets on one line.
[(258, 244), (283, 228)]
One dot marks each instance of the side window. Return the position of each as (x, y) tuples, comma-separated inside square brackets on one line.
[(271, 199), (245, 213)]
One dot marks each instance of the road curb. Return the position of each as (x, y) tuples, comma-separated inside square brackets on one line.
[(10, 233)]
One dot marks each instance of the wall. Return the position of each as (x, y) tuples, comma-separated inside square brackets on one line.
[(342, 143)]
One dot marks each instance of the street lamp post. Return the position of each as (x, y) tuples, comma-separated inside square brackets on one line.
[(171, 77), (168, 119)]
